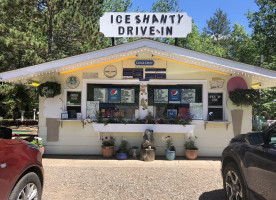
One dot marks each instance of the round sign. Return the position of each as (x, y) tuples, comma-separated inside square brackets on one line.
[(73, 82), (110, 71), (236, 82)]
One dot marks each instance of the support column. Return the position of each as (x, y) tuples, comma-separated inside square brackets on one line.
[(143, 100)]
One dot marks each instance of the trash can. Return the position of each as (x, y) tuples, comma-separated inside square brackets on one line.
[(5, 133)]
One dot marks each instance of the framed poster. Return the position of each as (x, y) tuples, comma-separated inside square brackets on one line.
[(171, 113), (74, 98), (188, 95), (101, 95), (161, 95), (114, 95), (174, 95), (196, 109), (92, 107), (127, 95)]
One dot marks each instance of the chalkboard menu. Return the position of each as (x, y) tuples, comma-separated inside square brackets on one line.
[(161, 95), (101, 95), (215, 99), (133, 73), (74, 98), (188, 95), (155, 73), (127, 95)]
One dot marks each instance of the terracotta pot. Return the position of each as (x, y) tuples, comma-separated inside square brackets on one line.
[(191, 154), (107, 151), (42, 149)]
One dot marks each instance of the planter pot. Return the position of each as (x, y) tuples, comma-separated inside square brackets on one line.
[(191, 154), (42, 149), (121, 156), (170, 155), (107, 151)]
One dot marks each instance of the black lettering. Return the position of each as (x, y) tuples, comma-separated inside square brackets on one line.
[(138, 20), (169, 30), (121, 30), (162, 30), (152, 30), (172, 18), (111, 19), (163, 19), (127, 18), (129, 30), (137, 30), (179, 18), (119, 19), (154, 19), (143, 30), (146, 18)]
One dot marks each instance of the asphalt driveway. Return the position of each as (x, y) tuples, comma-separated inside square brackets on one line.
[(91, 177)]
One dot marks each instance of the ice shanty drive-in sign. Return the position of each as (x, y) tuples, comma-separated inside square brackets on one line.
[(118, 24)]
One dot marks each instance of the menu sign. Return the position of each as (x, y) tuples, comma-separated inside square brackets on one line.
[(196, 109), (127, 95), (133, 73), (73, 98), (92, 107), (215, 99), (101, 95), (155, 73), (160, 95), (188, 95)]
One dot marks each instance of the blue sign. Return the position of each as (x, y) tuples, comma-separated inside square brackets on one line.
[(174, 95), (171, 113), (144, 62), (114, 95)]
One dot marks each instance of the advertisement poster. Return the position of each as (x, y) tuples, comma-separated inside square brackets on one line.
[(196, 109), (100, 94), (114, 95), (188, 95), (127, 95), (160, 95), (171, 113), (92, 107), (174, 95)]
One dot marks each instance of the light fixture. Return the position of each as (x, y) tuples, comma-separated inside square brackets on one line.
[(34, 83), (255, 85)]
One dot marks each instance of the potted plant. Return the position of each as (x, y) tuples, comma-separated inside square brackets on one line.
[(123, 151), (170, 150), (108, 146), (191, 151), (39, 142), (49, 89)]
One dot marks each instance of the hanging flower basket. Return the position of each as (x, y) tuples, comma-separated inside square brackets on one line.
[(49, 89), (244, 97)]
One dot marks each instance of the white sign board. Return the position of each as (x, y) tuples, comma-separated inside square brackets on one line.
[(168, 25)]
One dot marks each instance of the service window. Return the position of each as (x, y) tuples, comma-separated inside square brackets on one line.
[(115, 100), (172, 101), (215, 106), (73, 104)]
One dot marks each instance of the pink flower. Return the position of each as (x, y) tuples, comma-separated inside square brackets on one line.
[(106, 137), (111, 137), (13, 134)]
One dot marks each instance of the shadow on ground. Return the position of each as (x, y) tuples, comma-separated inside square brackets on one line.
[(214, 195)]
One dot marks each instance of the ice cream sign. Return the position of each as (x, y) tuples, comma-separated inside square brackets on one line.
[(117, 24)]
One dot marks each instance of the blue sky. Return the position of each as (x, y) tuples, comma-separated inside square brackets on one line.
[(201, 10)]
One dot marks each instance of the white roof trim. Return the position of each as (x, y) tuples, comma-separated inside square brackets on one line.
[(126, 48)]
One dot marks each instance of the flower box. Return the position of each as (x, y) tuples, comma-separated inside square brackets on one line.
[(136, 128)]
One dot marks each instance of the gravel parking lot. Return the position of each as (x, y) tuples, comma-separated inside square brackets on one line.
[(90, 177)]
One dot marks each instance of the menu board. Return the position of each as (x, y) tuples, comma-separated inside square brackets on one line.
[(73, 98), (101, 95), (127, 95), (155, 73), (174, 95), (196, 109), (114, 95), (188, 95), (133, 73), (92, 107), (160, 95), (215, 99)]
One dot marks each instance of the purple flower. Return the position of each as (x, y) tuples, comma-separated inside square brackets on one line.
[(111, 137), (106, 137)]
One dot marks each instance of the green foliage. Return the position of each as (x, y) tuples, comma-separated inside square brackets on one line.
[(38, 141), (108, 141), (165, 6), (244, 97), (168, 140), (124, 147), (49, 89), (190, 143), (218, 25)]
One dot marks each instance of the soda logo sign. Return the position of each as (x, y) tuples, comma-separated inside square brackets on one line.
[(113, 92), (174, 93)]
